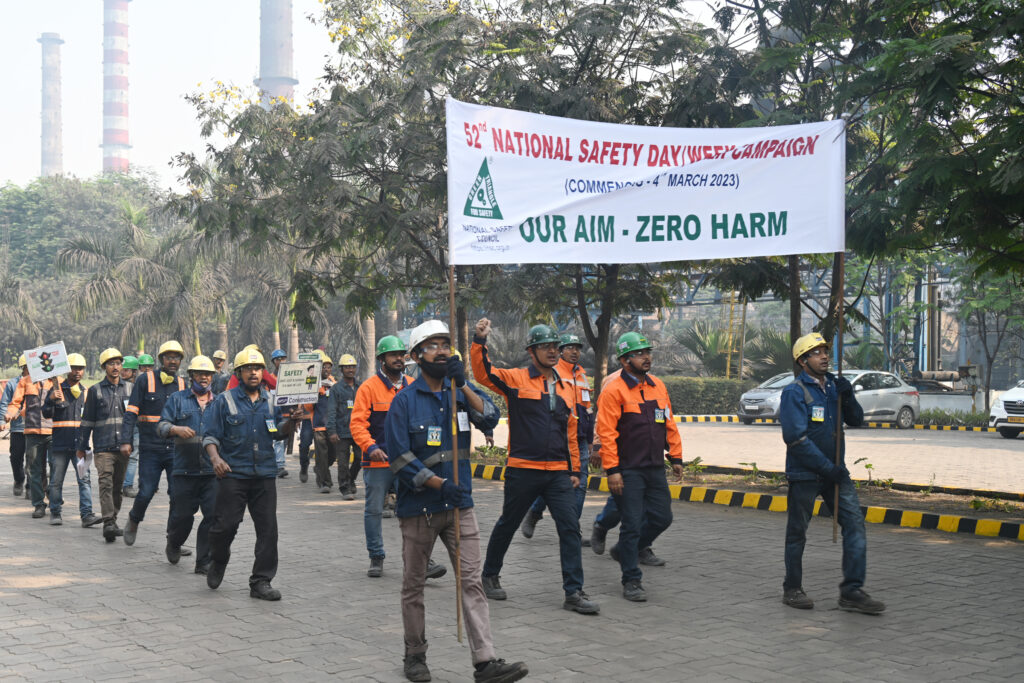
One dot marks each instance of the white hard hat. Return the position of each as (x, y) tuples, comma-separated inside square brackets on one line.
[(424, 331)]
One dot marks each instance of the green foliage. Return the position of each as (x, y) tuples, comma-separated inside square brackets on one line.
[(771, 353), (955, 418), (865, 356), (705, 395)]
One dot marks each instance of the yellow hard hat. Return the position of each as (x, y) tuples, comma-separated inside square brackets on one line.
[(76, 360), (22, 361), (110, 354), (201, 364), (324, 358), (170, 347), (347, 359), (252, 347), (249, 357), (806, 343), (220, 355)]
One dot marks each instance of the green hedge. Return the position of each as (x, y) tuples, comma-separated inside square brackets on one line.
[(954, 418), (705, 395)]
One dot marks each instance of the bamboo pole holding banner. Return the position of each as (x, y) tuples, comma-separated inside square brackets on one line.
[(455, 465), (837, 344)]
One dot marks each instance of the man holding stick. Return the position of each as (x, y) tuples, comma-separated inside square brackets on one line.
[(809, 414)]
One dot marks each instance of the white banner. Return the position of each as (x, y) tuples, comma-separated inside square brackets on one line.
[(299, 381), (47, 361), (528, 188)]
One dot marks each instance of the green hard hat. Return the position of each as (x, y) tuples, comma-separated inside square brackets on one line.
[(130, 363), (629, 342), (541, 334), (388, 344), (146, 359), (569, 339)]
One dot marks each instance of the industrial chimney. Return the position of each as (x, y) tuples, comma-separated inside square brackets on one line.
[(275, 51), (52, 148), (115, 86)]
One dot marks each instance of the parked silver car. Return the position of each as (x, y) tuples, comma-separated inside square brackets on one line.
[(763, 400), (885, 397)]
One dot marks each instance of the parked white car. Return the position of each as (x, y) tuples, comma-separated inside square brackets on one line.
[(1007, 414), (885, 397)]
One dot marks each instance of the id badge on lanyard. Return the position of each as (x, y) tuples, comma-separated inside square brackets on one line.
[(817, 413), (433, 436)]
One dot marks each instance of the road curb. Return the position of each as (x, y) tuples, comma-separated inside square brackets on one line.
[(990, 528), (866, 425)]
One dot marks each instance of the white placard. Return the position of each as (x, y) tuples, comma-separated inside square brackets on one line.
[(298, 381), (47, 361)]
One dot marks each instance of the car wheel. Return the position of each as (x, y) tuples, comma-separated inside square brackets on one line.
[(1008, 433), (905, 418), (747, 420)]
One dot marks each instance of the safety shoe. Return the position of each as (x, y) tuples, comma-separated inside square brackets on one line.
[(859, 601), (493, 589), (110, 532), (325, 489), (416, 667), (580, 602), (634, 591), (91, 519), (435, 570), (203, 569), (304, 474), (39, 512), (376, 569), (529, 524), (173, 553), (499, 671), (263, 591), (130, 532), (795, 597), (348, 494), (19, 489), (129, 492), (185, 552), (597, 536), (585, 542), (55, 519), (282, 473), (648, 557), (215, 574)]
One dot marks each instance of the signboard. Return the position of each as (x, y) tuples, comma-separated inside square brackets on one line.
[(527, 188), (47, 361), (299, 381)]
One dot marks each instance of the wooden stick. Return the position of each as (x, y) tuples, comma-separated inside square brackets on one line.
[(838, 345), (455, 466)]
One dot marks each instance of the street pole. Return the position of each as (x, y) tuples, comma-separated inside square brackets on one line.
[(838, 345), (455, 465)]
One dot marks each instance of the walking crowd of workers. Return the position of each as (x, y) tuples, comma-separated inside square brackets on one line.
[(219, 439)]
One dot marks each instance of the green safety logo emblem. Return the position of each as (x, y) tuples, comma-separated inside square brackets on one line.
[(481, 202)]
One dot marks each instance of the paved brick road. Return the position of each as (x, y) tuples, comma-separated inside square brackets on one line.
[(75, 608)]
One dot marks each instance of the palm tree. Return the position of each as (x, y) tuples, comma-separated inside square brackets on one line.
[(771, 353), (708, 345), (17, 311)]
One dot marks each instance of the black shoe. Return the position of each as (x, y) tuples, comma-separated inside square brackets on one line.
[(129, 492), (215, 574), (416, 667), (348, 494), (529, 524), (91, 520), (203, 569), (435, 570), (614, 552), (493, 589), (173, 553), (634, 591), (325, 489), (130, 532), (376, 569), (109, 532), (581, 603), (261, 590), (56, 519), (39, 512), (648, 557), (185, 552), (500, 671), (19, 489), (795, 597), (304, 474), (859, 601), (597, 536), (282, 473)]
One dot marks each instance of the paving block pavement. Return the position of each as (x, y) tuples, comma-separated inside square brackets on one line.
[(73, 608)]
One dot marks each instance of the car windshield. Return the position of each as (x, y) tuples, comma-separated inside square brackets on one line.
[(777, 382)]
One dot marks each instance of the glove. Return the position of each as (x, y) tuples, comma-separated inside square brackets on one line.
[(844, 387), (838, 474), (453, 495), (456, 372)]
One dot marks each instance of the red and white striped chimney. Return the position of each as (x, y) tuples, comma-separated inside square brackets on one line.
[(115, 86)]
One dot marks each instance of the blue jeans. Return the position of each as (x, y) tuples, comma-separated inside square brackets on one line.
[(646, 508), (279, 448), (151, 464), (581, 492), (133, 463), (800, 506), (191, 494), (609, 517), (59, 461), (378, 481), (305, 441), (522, 486)]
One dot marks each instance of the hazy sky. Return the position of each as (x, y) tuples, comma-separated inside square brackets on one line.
[(174, 44)]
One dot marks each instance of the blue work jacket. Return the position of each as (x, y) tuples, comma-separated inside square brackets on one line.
[(241, 430), (17, 425), (182, 409), (809, 421), (145, 405), (418, 417)]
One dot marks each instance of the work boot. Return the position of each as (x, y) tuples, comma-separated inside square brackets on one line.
[(435, 570), (529, 524), (493, 589), (634, 591), (55, 519), (304, 474), (19, 489), (173, 553), (416, 667), (203, 569), (185, 552), (39, 512), (348, 494), (389, 506), (215, 574), (263, 591), (109, 532), (325, 489), (499, 671), (648, 557), (376, 569), (282, 473), (130, 532), (580, 602), (795, 597), (859, 601), (129, 492), (91, 519), (597, 536)]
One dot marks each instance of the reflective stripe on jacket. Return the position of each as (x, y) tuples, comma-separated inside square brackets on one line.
[(581, 387), (144, 408), (103, 416), (67, 417), (241, 431), (27, 402), (808, 417), (634, 421)]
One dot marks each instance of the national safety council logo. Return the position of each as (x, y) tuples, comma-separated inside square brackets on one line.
[(481, 202)]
